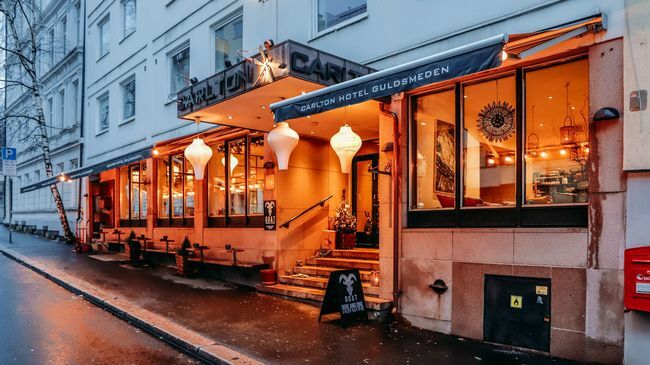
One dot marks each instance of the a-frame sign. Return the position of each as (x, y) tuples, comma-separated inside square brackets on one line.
[(344, 294)]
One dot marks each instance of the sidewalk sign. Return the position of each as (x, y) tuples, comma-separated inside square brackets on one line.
[(344, 294), (8, 161)]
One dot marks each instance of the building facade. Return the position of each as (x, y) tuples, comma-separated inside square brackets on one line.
[(466, 207), (60, 68)]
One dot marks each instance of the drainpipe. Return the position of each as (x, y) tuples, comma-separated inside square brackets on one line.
[(396, 205), (82, 85)]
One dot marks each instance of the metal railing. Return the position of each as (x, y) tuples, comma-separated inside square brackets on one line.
[(321, 203)]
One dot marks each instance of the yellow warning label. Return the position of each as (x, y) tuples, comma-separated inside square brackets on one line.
[(541, 290), (515, 301)]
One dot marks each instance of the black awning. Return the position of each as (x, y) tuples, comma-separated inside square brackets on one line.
[(92, 169), (468, 59)]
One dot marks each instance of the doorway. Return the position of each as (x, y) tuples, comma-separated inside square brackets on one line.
[(103, 207), (365, 200)]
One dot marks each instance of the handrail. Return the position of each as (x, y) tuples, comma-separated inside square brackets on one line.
[(321, 203)]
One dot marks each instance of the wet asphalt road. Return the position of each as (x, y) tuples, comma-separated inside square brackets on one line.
[(43, 323)]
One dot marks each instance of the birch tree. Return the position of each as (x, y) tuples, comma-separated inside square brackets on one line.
[(25, 47)]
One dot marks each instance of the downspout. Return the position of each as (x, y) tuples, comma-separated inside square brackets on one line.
[(82, 85), (395, 193)]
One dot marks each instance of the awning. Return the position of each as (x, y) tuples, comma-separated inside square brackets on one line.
[(468, 59), (92, 169)]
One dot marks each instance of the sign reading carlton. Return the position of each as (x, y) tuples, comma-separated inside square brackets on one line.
[(344, 294)]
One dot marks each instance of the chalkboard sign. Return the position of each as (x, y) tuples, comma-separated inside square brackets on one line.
[(344, 294), (269, 215)]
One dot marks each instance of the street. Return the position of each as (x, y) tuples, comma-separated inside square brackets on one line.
[(44, 323)]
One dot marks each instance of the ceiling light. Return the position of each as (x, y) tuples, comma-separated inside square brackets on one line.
[(423, 123), (230, 117), (198, 154), (283, 140), (544, 154), (563, 152)]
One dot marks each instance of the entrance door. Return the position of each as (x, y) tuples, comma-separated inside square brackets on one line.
[(365, 200), (518, 311), (103, 211)]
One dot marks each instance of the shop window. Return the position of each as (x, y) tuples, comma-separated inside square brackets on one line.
[(228, 43), (489, 143), (557, 138), (434, 157), (333, 12), (236, 183), (176, 191), (521, 151), (133, 195)]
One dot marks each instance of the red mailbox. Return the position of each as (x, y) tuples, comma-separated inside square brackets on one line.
[(637, 279)]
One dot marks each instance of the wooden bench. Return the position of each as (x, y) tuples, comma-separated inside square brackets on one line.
[(228, 263)]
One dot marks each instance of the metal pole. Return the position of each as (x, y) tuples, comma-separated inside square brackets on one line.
[(11, 204)]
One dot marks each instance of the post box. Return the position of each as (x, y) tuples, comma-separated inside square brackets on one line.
[(637, 279)]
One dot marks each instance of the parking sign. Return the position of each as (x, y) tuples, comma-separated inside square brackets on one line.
[(8, 161)]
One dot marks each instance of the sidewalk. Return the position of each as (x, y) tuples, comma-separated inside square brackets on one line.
[(270, 329)]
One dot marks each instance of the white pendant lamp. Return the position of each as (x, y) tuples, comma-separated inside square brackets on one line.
[(283, 140), (346, 144), (198, 153), (233, 162)]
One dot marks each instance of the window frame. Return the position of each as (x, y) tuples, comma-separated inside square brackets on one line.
[(139, 222), (104, 26), (246, 220), (100, 100), (64, 34), (123, 86), (170, 220), (126, 32), (62, 109), (521, 215), (223, 23), (170, 58), (317, 33)]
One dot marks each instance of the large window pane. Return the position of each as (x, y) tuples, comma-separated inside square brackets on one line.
[(237, 193), (256, 175), (227, 43), (143, 190), (104, 36), (128, 103), (217, 182), (332, 12), (489, 143), (129, 11), (163, 188), (135, 192), (188, 189), (125, 194), (557, 139), (177, 186), (434, 157)]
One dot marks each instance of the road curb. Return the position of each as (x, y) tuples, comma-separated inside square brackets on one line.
[(188, 341)]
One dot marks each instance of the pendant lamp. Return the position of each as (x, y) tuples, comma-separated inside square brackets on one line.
[(198, 154), (233, 163), (283, 140), (346, 144)]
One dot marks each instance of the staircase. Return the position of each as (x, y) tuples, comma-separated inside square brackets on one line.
[(310, 280)]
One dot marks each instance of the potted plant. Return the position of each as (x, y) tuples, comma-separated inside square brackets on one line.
[(345, 225), (182, 254), (133, 247)]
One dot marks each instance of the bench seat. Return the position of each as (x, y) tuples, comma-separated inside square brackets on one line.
[(229, 263)]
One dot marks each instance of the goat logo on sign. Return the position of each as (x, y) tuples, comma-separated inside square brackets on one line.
[(348, 281), (269, 205)]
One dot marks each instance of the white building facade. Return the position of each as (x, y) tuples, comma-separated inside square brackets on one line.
[(61, 74)]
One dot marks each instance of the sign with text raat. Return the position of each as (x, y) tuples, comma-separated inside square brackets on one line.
[(344, 294), (269, 215), (8, 161)]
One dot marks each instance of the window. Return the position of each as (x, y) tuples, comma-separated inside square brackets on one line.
[(51, 48), (133, 197), (64, 34), (517, 161), (333, 12), (175, 191), (50, 113), (103, 113), (75, 105), (128, 108), (61, 108), (557, 134), (74, 164), (180, 70), (78, 19), (227, 43), (104, 36), (236, 182), (128, 17)]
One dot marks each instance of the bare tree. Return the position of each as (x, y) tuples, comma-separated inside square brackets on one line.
[(26, 48)]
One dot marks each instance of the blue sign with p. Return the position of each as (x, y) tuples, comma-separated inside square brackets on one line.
[(8, 153)]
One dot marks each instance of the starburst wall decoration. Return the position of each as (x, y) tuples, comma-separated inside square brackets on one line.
[(496, 121)]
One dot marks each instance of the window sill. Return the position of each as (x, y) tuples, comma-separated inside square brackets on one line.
[(126, 121), (103, 56), (126, 36), (339, 26), (169, 2), (101, 132)]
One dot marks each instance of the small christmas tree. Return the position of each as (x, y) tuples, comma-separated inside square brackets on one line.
[(344, 221)]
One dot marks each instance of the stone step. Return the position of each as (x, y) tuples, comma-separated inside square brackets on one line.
[(372, 303), (321, 283), (357, 253), (325, 272), (344, 263)]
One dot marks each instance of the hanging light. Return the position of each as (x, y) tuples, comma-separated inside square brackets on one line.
[(233, 162), (568, 129), (346, 144), (532, 141), (198, 153), (283, 140)]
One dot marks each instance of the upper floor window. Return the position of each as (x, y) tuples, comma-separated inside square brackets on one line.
[(180, 70), (333, 12), (50, 55), (64, 34), (62, 108), (128, 17), (228, 43), (104, 36), (75, 99), (128, 102), (102, 104), (77, 10)]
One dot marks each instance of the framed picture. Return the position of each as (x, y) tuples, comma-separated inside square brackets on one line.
[(445, 152)]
